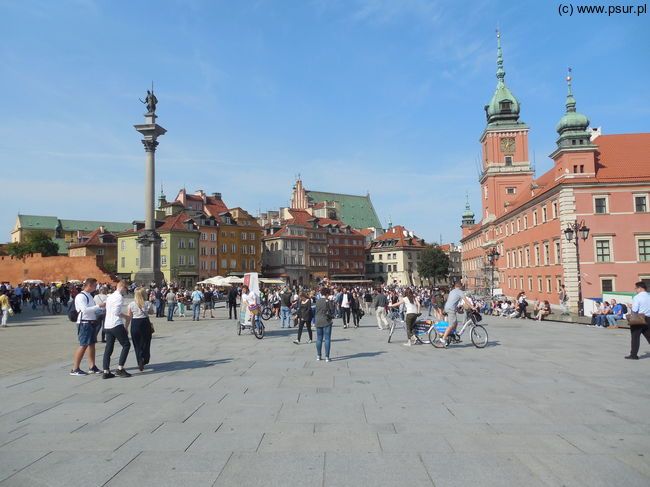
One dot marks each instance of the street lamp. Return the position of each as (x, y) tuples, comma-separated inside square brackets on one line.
[(493, 256), (576, 230)]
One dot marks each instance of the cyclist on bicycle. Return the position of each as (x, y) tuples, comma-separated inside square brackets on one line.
[(455, 300)]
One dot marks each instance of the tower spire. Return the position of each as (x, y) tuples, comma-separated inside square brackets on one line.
[(501, 72), (570, 100)]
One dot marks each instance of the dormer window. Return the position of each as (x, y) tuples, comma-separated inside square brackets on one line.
[(505, 105)]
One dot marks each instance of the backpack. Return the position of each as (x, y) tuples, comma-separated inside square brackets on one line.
[(623, 308), (73, 314)]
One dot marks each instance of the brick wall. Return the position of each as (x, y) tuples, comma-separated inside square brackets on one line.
[(48, 269)]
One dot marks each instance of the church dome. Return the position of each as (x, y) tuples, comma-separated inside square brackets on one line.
[(572, 124), (503, 107)]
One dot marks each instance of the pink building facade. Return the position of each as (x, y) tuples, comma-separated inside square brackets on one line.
[(601, 181)]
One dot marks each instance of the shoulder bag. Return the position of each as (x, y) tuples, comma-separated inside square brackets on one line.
[(636, 319)]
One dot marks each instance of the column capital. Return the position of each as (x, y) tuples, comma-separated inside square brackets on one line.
[(150, 145)]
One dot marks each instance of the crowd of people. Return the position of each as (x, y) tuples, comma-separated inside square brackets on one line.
[(99, 310)]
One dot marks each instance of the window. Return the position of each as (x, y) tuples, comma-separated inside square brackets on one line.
[(511, 190), (643, 245), (641, 204), (191, 260), (213, 251), (123, 261), (554, 209), (557, 252), (548, 285), (204, 265), (527, 256), (252, 250), (190, 243), (163, 244), (508, 160), (530, 283), (547, 252), (525, 222), (224, 263), (603, 250), (544, 216), (606, 284), (233, 264), (251, 236), (536, 255), (213, 237), (203, 251), (181, 260), (100, 251), (539, 284), (123, 246), (204, 236), (535, 218), (233, 248), (224, 248), (163, 261), (600, 205), (181, 243), (244, 262)]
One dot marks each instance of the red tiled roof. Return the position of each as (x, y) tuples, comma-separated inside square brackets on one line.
[(176, 222), (397, 233), (366, 231), (92, 239)]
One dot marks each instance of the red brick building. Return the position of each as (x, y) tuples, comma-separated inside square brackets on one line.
[(599, 181)]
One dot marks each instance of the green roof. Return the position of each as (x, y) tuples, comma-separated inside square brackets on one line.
[(356, 211), (40, 222), (63, 245)]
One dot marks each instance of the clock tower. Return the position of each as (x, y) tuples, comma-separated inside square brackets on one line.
[(505, 163)]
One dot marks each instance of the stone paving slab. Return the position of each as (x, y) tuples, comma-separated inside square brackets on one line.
[(214, 408)]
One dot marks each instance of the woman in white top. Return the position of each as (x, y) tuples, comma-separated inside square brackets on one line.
[(141, 329), (100, 298), (248, 299), (412, 305)]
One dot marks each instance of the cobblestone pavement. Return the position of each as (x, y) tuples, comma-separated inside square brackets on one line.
[(543, 404)]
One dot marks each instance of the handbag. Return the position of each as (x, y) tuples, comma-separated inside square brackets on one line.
[(636, 319)]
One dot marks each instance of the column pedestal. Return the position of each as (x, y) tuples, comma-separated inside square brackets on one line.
[(149, 269)]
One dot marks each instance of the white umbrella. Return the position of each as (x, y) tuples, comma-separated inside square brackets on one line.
[(233, 280)]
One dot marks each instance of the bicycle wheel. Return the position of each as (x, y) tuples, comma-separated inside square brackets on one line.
[(258, 329), (435, 338), (421, 333), (267, 312), (479, 336)]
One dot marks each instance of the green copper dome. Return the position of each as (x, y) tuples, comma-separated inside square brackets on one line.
[(503, 107), (468, 214), (572, 121)]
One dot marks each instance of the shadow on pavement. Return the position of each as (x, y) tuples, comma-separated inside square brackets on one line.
[(357, 355), (184, 365)]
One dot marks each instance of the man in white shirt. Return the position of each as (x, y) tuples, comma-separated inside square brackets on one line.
[(86, 327), (115, 326), (641, 305)]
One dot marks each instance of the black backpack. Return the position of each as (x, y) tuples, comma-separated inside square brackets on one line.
[(623, 308), (73, 314)]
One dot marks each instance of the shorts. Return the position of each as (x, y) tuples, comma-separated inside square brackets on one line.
[(209, 304), (87, 332), (452, 317)]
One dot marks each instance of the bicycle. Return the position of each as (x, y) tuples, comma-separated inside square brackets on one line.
[(257, 328), (478, 333), (396, 321), (54, 306), (267, 312)]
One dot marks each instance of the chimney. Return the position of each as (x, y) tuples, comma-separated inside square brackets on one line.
[(217, 195), (101, 229)]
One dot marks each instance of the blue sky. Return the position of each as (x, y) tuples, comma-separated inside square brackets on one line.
[(356, 95)]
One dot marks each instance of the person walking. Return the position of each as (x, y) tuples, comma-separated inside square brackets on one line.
[(180, 299), (100, 298), (640, 305), (355, 308), (116, 326), (232, 302), (197, 297), (367, 302), (141, 328), (172, 300), (285, 307), (86, 327), (304, 317), (208, 303), (380, 303), (564, 300), (346, 306), (412, 305), (324, 315), (5, 306)]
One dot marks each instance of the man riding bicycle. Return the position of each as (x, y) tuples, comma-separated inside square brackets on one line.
[(456, 299)]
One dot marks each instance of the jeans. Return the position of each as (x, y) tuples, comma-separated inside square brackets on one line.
[(286, 315), (611, 319), (118, 333), (346, 316), (601, 320), (141, 337), (323, 332), (170, 311), (196, 311)]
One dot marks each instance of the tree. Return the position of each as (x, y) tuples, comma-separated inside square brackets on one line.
[(434, 263), (35, 242)]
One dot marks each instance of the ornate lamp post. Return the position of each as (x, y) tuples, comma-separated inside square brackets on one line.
[(579, 231), (493, 256)]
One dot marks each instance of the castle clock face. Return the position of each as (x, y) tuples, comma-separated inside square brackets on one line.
[(508, 145)]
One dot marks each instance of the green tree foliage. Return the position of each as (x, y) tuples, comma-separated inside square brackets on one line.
[(434, 263), (35, 242)]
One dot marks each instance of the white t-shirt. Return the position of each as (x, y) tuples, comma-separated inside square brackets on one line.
[(345, 303), (137, 312), (114, 304), (411, 308), (86, 307)]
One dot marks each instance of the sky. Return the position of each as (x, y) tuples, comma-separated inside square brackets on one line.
[(356, 96)]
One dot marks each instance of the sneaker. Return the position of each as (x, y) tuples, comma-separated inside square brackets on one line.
[(108, 375), (318, 359), (94, 370), (78, 372), (308, 341), (407, 344), (632, 357), (297, 342), (327, 359), (122, 373)]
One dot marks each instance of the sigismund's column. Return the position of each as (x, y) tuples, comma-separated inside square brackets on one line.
[(149, 239)]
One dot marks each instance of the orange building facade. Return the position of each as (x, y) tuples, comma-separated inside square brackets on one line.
[(599, 181)]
